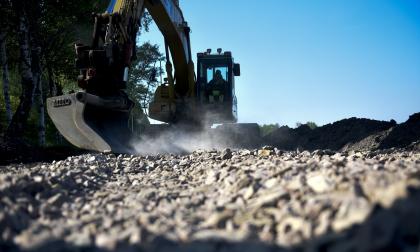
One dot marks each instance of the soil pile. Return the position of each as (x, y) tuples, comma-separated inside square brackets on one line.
[(349, 134), (403, 134)]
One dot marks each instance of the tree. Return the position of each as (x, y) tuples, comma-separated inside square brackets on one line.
[(39, 53), (4, 31), (312, 125), (5, 76), (34, 18), (38, 94), (46, 32), (267, 129), (143, 74), (16, 128), (63, 26)]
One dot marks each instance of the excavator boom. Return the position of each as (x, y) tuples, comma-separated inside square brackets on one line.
[(96, 117)]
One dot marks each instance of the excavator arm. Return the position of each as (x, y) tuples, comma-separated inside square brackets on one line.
[(96, 118), (170, 20)]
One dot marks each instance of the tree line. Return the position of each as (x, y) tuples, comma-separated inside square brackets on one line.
[(267, 129), (37, 61)]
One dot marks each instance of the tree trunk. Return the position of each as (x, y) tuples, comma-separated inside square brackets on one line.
[(51, 84), (37, 69), (54, 90), (17, 126), (5, 68), (38, 94), (41, 114)]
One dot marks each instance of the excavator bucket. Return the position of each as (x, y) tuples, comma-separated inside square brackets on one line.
[(91, 122)]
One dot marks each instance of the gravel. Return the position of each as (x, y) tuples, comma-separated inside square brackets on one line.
[(227, 200)]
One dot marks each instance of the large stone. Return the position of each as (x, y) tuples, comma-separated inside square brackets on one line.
[(226, 154), (217, 219), (267, 197), (352, 211), (319, 183)]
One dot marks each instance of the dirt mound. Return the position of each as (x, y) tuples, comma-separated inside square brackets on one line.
[(348, 134), (403, 134), (331, 136)]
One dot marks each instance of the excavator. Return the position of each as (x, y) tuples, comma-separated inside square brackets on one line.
[(96, 117)]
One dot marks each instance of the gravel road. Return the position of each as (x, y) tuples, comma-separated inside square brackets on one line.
[(243, 200)]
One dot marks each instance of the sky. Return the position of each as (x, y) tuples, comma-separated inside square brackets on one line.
[(314, 60)]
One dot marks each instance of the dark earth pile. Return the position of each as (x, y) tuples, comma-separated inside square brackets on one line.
[(348, 134), (403, 134), (245, 200)]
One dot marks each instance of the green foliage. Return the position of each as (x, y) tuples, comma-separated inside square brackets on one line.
[(311, 125), (266, 129), (62, 23), (143, 74), (66, 22), (14, 98), (145, 22), (142, 82)]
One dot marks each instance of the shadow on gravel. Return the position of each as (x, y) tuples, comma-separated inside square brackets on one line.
[(394, 229), (25, 155)]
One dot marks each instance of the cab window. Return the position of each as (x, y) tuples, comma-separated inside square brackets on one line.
[(211, 71)]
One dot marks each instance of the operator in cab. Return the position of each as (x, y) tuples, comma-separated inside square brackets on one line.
[(216, 88)]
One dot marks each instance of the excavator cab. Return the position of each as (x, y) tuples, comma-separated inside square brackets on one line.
[(216, 86)]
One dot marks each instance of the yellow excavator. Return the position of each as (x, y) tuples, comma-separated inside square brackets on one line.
[(96, 117)]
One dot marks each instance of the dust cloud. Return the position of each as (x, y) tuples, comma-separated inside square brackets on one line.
[(175, 140), (184, 138)]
